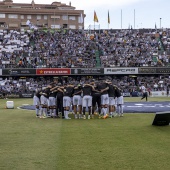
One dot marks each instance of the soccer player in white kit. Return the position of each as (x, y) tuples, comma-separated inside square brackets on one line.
[(77, 101), (87, 99), (112, 101), (68, 93), (103, 88), (36, 102), (44, 102), (120, 101), (52, 101)]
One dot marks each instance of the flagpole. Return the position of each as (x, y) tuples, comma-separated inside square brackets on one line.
[(155, 27), (134, 18), (67, 21), (94, 20), (94, 25), (108, 20), (121, 18)]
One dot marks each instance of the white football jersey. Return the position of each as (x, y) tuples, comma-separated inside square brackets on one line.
[(143, 89)]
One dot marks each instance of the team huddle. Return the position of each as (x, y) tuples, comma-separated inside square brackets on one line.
[(93, 96)]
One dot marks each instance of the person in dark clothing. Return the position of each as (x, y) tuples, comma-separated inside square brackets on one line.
[(167, 91), (59, 90), (59, 103), (96, 99), (4, 95)]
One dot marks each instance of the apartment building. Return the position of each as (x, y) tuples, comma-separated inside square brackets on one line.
[(55, 15)]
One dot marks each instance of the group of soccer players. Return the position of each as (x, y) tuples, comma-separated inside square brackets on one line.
[(101, 96)]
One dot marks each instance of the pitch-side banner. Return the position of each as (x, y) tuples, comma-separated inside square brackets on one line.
[(87, 71), (121, 70), (26, 95), (158, 93), (154, 70), (0, 71), (53, 71), (18, 72)]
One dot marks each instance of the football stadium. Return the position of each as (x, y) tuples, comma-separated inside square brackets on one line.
[(81, 99)]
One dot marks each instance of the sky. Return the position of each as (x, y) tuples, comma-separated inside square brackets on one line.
[(123, 13)]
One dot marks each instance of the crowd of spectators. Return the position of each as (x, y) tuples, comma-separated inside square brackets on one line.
[(129, 84), (134, 48), (32, 49), (76, 48)]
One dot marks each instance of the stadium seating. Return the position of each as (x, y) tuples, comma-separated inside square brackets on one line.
[(73, 48)]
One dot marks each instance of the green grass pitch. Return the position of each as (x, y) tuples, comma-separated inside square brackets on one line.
[(126, 143)]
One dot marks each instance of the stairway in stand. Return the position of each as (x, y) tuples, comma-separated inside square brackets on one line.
[(97, 54)]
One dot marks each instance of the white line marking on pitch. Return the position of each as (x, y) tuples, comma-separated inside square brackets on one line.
[(134, 106), (149, 106), (25, 109)]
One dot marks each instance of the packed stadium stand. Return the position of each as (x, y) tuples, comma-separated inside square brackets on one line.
[(78, 48)]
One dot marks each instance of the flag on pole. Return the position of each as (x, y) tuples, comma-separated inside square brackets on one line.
[(108, 18), (95, 17)]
